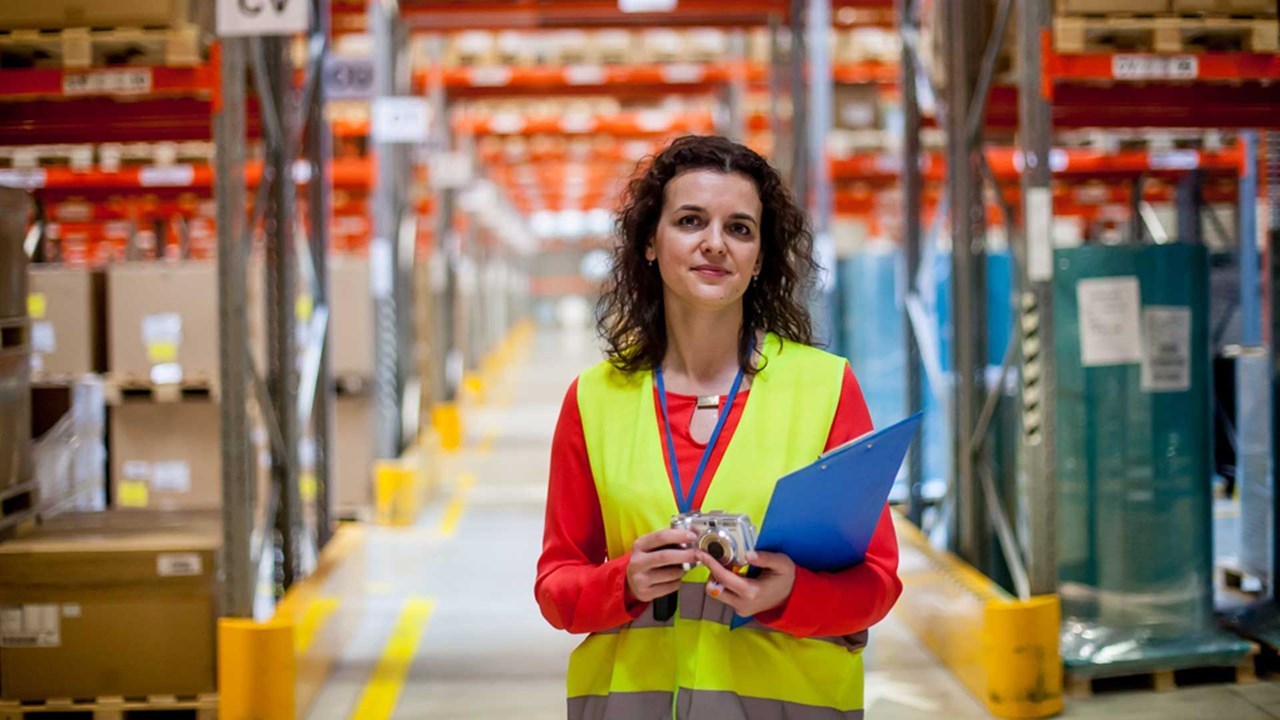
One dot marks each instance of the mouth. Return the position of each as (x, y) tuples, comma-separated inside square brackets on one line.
[(711, 271)]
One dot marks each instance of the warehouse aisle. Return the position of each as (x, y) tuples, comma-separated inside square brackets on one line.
[(438, 621), (470, 641)]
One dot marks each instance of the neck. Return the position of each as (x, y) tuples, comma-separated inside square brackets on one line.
[(702, 348)]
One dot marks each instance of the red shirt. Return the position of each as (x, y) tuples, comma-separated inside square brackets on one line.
[(581, 590)]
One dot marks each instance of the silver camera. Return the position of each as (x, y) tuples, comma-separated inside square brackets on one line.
[(727, 538)]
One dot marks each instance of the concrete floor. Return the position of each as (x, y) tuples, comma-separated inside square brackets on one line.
[(439, 619)]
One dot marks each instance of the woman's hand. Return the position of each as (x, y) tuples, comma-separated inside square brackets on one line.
[(749, 596), (657, 563)]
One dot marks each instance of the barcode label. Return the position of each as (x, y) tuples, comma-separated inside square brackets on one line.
[(1155, 67), (30, 626), (179, 565), (108, 82)]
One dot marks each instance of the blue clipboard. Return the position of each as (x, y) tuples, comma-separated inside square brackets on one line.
[(823, 515)]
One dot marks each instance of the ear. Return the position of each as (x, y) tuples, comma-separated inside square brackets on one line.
[(650, 253)]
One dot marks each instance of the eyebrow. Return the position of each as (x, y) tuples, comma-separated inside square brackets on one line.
[(734, 216)]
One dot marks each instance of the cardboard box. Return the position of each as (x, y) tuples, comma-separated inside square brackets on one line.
[(351, 335), (353, 454), (67, 319), (161, 315), (102, 604), (856, 107), (166, 456)]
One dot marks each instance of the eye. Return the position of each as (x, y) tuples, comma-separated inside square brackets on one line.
[(689, 221), (740, 229)]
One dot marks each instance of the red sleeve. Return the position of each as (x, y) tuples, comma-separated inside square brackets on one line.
[(852, 600), (578, 588)]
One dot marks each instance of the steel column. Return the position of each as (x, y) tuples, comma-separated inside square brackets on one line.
[(911, 239), (319, 151), (382, 251), (238, 461), (1250, 262), (799, 106), (282, 291), (1037, 453), (1272, 341), (818, 28), (964, 46), (1189, 204), (736, 91)]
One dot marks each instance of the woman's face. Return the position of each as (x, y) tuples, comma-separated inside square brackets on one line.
[(708, 239)]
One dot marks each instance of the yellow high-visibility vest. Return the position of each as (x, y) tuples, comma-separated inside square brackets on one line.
[(692, 666)]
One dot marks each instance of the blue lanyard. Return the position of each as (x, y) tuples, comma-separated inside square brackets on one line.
[(685, 500)]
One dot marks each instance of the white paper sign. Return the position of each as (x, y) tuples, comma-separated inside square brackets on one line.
[(646, 6), (1110, 329), (162, 328), (401, 119), (381, 268), (238, 18), (171, 476), (107, 82), (1040, 234), (26, 626), (1166, 357)]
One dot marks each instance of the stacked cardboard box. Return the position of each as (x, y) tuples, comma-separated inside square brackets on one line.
[(110, 604)]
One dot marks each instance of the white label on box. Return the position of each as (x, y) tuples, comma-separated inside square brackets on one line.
[(1110, 327), (1166, 357), (43, 339), (71, 610), (166, 374), (262, 17), (137, 470), (401, 119), (178, 565), (23, 179), (167, 176), (107, 82), (162, 328), (30, 626), (1155, 67), (171, 476)]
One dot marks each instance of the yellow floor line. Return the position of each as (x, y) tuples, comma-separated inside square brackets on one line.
[(314, 618), (383, 690), (453, 513)]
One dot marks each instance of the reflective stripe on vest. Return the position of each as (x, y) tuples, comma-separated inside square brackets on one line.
[(697, 704), (784, 425)]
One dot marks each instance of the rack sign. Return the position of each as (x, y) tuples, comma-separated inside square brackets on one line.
[(1155, 67), (348, 78), (237, 18)]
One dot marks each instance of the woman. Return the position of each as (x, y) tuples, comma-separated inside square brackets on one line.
[(710, 393)]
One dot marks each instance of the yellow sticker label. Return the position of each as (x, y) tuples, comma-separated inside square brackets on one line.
[(307, 487), (37, 306), (162, 352), (304, 307), (133, 494)]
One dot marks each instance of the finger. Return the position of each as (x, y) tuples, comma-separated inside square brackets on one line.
[(664, 575), (663, 558), (768, 560), (665, 589), (726, 577), (661, 538)]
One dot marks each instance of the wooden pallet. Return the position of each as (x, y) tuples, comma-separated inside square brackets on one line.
[(1165, 34), (1081, 687), (84, 47), (56, 14), (1108, 7), (1250, 8), (119, 387), (17, 505), (162, 707)]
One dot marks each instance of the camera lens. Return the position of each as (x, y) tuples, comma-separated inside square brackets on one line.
[(716, 550)]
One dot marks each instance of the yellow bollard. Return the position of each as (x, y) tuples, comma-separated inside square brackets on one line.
[(396, 498), (449, 424), (1020, 653), (256, 673)]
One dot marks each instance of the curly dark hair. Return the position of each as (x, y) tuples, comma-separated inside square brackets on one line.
[(630, 315)]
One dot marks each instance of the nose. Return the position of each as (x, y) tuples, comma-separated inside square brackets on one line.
[(713, 243)]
